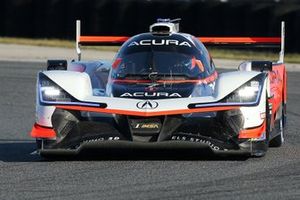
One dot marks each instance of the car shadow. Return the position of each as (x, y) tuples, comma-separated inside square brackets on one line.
[(23, 151), (18, 151)]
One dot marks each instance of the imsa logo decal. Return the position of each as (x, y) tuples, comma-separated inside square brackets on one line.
[(146, 126)]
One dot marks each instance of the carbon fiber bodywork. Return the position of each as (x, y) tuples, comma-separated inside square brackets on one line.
[(217, 131)]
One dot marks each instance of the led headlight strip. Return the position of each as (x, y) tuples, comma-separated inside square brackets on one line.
[(246, 95), (249, 93), (52, 94)]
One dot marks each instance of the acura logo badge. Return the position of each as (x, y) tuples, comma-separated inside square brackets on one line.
[(147, 104)]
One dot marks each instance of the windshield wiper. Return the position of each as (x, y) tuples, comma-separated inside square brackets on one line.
[(156, 76)]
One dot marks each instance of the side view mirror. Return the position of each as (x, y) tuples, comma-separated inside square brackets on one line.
[(57, 65), (262, 65), (256, 66), (103, 69)]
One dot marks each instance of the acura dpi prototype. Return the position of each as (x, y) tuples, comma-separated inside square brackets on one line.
[(161, 90)]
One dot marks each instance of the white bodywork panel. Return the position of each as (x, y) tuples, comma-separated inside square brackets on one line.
[(44, 114), (230, 81), (78, 84), (255, 116)]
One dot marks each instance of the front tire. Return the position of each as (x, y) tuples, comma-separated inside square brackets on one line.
[(278, 140), (261, 147)]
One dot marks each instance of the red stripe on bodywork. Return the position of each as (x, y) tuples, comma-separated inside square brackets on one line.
[(104, 39), (206, 80), (226, 40), (145, 113), (116, 63), (39, 131), (241, 40), (253, 132), (234, 40), (198, 63)]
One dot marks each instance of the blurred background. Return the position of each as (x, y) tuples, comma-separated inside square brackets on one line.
[(56, 18)]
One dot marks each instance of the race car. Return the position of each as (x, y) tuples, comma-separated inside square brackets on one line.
[(161, 90)]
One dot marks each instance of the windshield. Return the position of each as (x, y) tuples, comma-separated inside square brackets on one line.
[(160, 63), (162, 58)]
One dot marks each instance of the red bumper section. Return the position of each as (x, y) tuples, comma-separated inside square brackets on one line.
[(253, 132), (39, 131), (46, 132)]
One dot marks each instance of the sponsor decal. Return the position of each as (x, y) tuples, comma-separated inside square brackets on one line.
[(102, 139), (150, 94), (146, 126), (141, 126), (147, 104), (200, 140), (159, 42)]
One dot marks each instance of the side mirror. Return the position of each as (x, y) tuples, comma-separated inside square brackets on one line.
[(103, 69), (57, 65), (262, 66), (256, 66)]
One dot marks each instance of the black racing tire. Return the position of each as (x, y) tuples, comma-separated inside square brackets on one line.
[(261, 147), (278, 140), (268, 123)]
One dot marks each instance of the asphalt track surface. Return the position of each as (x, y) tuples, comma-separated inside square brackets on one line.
[(135, 175)]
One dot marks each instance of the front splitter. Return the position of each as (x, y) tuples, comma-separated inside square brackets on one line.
[(135, 146)]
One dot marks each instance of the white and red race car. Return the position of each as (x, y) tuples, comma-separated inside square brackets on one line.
[(161, 90)]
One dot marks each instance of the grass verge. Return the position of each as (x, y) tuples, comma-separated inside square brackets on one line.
[(216, 53)]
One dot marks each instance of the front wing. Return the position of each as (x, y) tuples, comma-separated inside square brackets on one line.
[(220, 129)]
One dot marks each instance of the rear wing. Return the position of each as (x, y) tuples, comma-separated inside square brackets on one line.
[(216, 41)]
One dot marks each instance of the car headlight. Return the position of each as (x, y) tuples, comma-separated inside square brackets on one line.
[(247, 93), (51, 92)]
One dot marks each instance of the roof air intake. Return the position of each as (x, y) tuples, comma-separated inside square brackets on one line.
[(165, 26)]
